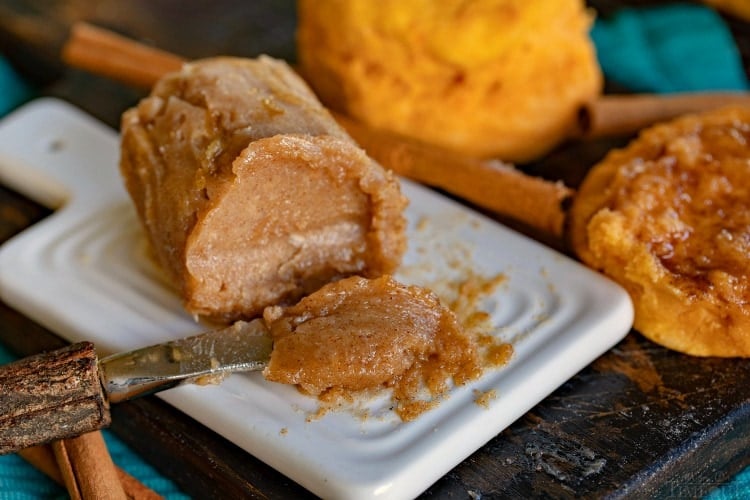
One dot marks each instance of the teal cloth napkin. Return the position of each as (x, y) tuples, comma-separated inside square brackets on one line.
[(674, 48), (13, 90), (670, 48)]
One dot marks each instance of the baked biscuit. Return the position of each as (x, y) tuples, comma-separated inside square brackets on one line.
[(668, 217), (488, 78)]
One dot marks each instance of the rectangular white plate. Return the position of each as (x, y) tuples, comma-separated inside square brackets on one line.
[(83, 273)]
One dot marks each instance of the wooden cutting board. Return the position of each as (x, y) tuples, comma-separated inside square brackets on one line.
[(640, 421), (86, 274)]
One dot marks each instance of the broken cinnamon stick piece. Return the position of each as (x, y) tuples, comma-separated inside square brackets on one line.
[(87, 468), (619, 115), (43, 459)]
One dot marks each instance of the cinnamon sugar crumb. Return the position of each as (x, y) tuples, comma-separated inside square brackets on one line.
[(485, 398)]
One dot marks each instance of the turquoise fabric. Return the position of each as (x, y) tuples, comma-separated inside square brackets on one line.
[(680, 47), (736, 489), (670, 48), (13, 90)]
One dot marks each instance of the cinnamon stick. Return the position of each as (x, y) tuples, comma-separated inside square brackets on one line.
[(117, 57), (618, 115), (87, 468), (134, 489), (491, 185), (51, 395), (43, 458)]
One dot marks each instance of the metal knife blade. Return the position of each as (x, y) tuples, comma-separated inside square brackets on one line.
[(243, 346)]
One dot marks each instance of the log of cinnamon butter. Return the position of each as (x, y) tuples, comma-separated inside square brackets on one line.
[(249, 192)]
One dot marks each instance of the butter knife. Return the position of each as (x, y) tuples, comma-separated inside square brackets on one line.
[(67, 392)]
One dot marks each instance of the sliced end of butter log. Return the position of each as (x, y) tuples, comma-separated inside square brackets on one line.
[(299, 212), (249, 192)]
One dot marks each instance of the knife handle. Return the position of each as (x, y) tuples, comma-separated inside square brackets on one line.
[(52, 395)]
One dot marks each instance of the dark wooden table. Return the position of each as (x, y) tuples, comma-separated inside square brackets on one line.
[(639, 421)]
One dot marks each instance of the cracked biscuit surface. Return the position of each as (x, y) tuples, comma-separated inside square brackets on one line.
[(668, 217)]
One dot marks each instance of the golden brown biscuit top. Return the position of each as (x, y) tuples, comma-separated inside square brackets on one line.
[(685, 191), (668, 218)]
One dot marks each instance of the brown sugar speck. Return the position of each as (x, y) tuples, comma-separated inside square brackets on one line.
[(484, 399), (422, 224), (495, 352)]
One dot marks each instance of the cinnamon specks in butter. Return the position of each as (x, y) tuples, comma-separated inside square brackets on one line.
[(460, 355)]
